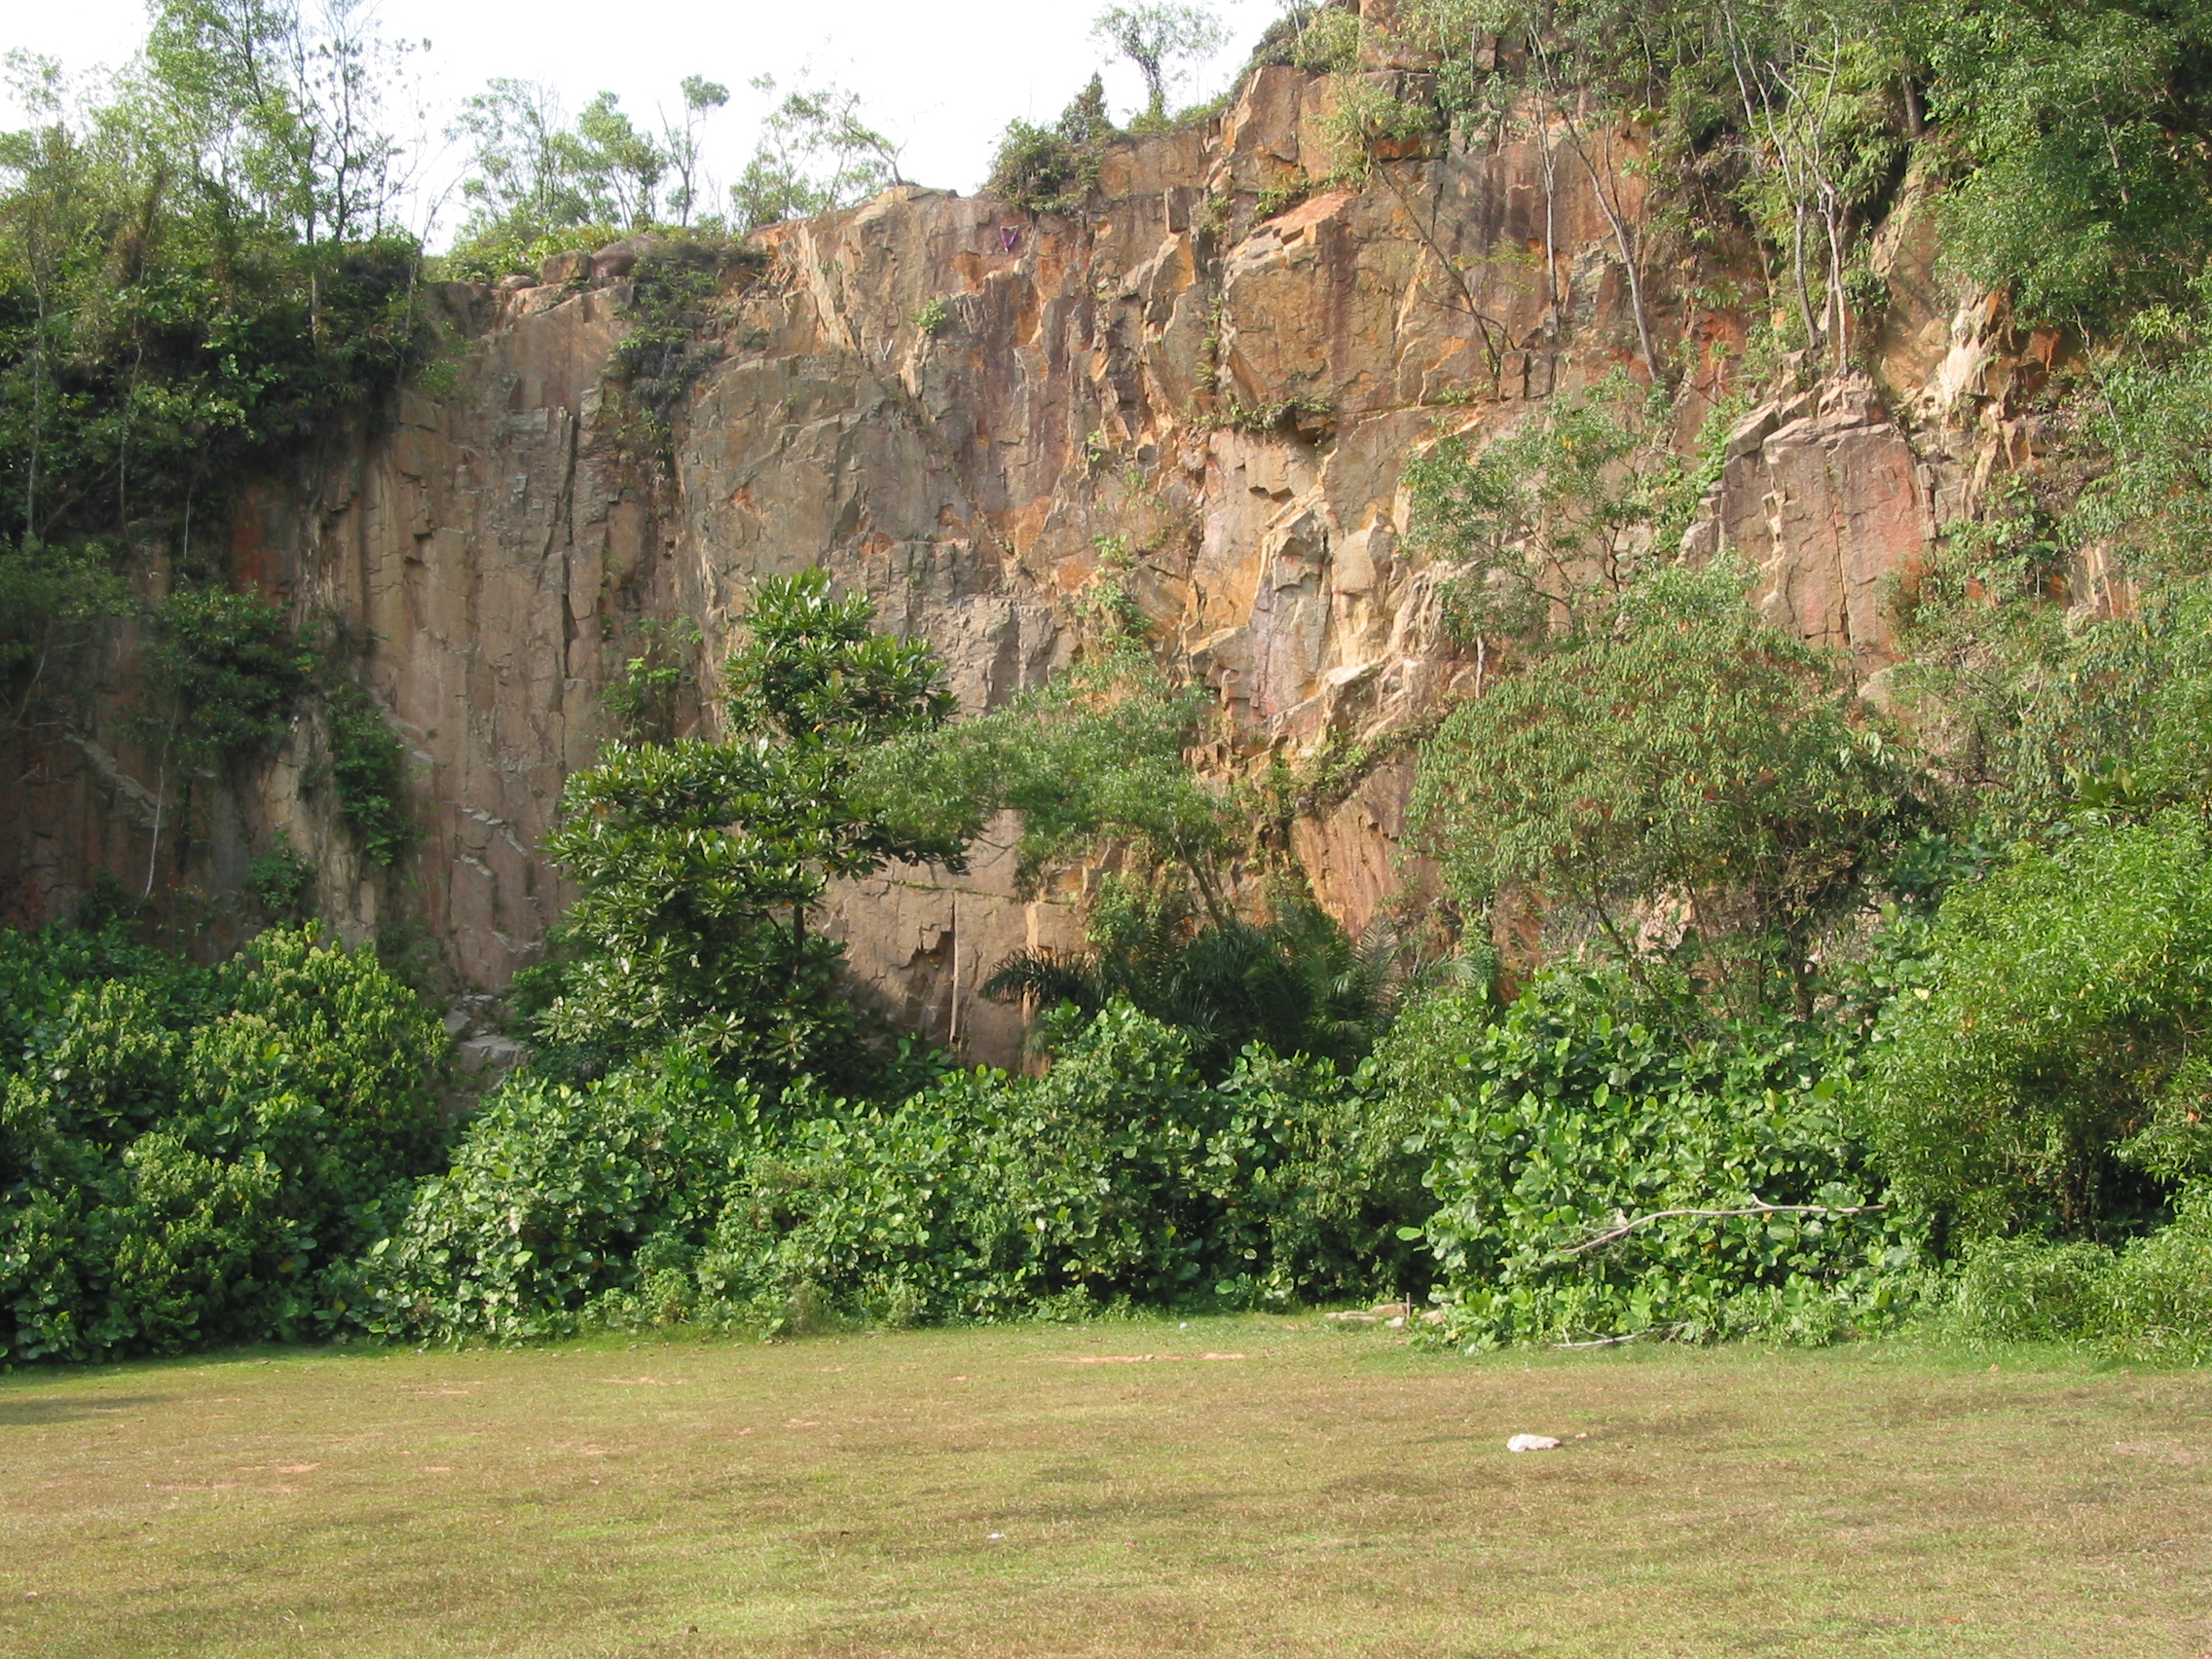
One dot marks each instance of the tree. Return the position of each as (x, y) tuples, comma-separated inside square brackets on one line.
[(1094, 761), (1816, 100), (531, 171), (1158, 39), (194, 271), (815, 154), (628, 159), (1541, 530), (287, 109), (679, 143), (1097, 765), (1687, 752), (700, 861), (2089, 192)]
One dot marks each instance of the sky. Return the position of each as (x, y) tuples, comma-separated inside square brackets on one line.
[(943, 77)]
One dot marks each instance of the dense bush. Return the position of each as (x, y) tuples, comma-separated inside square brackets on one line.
[(2040, 1082), (368, 767), (1297, 982), (1686, 751), (556, 1195), (1586, 1107), (2150, 1299), (184, 1152), (1050, 170), (664, 1191), (229, 666)]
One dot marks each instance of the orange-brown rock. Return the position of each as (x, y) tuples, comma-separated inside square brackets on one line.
[(1227, 399)]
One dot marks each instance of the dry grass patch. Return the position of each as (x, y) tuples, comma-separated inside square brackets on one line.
[(1236, 1487)]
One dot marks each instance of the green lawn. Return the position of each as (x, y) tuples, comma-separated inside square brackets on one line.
[(1236, 1487)]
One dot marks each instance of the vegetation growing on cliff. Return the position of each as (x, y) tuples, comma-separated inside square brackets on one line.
[(1827, 1013)]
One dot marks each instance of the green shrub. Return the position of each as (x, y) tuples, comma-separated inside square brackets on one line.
[(1584, 1108), (2020, 1092), (1050, 170), (662, 1192), (185, 1153), (669, 339), (279, 878), (2158, 1293), (508, 249), (368, 765), (229, 668), (1297, 983), (641, 699), (2150, 1300), (2028, 1289), (550, 1197)]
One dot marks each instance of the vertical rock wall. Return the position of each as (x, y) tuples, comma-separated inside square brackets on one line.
[(1217, 375)]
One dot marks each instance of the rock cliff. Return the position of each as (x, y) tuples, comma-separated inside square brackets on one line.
[(1216, 375)]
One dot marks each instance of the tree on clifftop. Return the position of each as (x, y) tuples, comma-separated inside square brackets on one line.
[(1157, 38)]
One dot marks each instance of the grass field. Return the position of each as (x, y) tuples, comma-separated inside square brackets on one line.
[(1235, 1487)]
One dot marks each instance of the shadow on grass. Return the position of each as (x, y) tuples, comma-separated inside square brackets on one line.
[(33, 1412)]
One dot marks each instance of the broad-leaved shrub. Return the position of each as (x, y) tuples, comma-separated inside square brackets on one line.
[(1584, 1110), (186, 1154)]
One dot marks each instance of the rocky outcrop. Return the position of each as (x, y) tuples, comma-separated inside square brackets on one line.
[(1214, 379), (1825, 496)]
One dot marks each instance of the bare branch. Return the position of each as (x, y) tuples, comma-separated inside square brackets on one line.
[(1626, 1228)]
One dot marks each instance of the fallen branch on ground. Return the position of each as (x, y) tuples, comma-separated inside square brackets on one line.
[(1661, 1331)]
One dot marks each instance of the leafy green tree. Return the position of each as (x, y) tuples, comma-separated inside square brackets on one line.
[(1687, 753), (2090, 186), (1816, 94), (700, 861), (1572, 66), (1543, 528), (1095, 759), (533, 174), (192, 281), (1159, 40), (680, 143), (287, 109), (815, 153), (2051, 1078), (1097, 765)]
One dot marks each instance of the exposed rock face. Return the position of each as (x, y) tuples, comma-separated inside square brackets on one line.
[(1822, 494), (1227, 401)]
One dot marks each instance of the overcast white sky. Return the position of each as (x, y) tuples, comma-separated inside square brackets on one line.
[(944, 77)]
